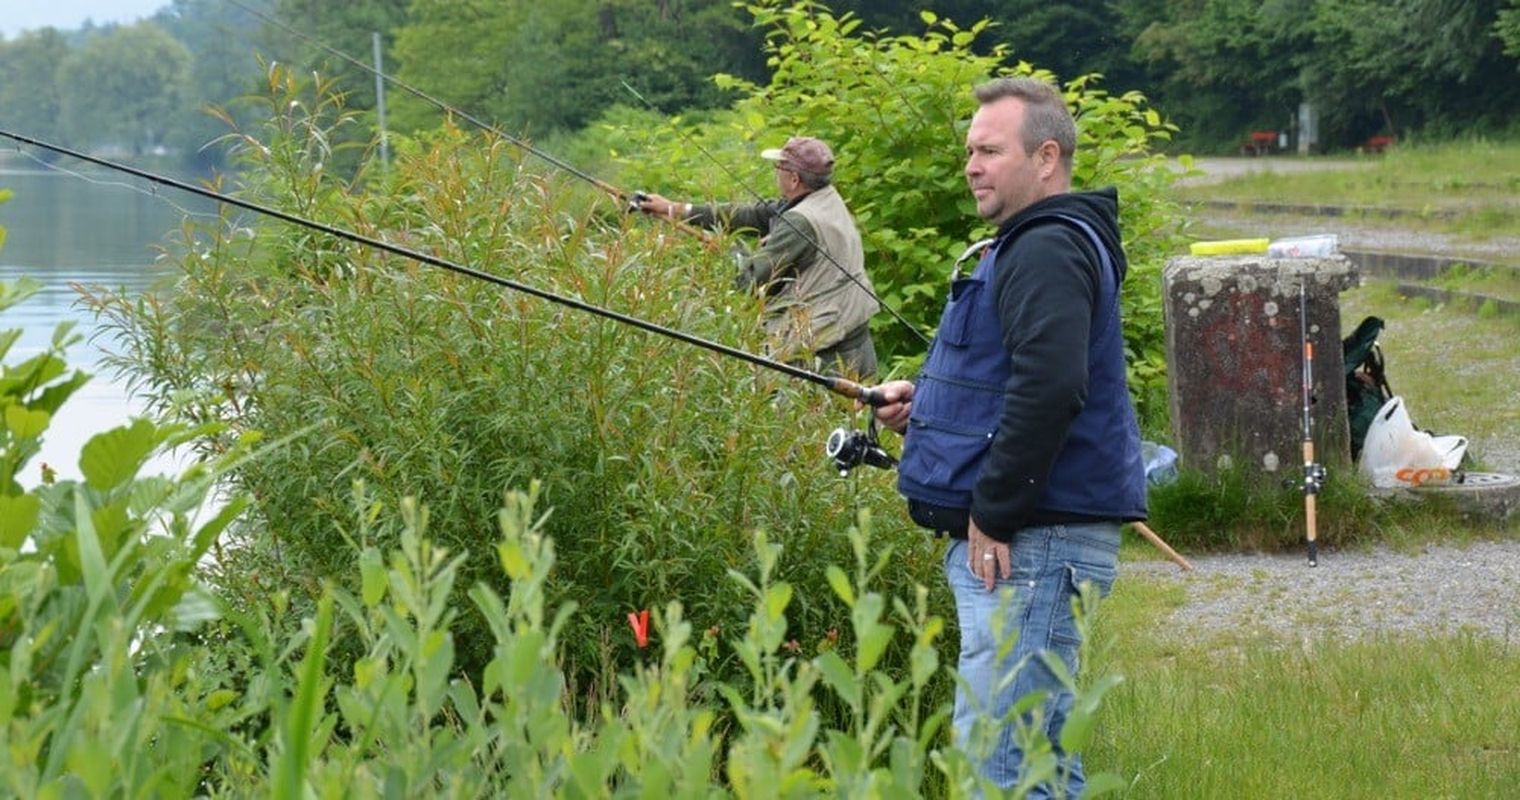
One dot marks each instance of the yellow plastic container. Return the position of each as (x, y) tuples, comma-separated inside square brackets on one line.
[(1229, 247)]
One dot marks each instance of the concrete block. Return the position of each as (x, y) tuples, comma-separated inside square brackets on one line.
[(1235, 361)]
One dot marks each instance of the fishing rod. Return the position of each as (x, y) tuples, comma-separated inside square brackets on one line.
[(809, 239), (867, 395), (1314, 472)]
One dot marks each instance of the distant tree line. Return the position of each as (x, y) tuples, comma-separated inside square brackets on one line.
[(1217, 68), (136, 89)]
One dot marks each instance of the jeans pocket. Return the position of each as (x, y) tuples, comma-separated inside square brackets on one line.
[(1064, 633)]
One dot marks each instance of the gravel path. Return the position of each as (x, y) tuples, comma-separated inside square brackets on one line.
[(1350, 595)]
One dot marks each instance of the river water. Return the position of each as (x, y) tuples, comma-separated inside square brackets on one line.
[(91, 229)]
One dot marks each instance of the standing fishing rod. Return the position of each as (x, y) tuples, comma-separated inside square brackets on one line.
[(1314, 473), (867, 395), (801, 233)]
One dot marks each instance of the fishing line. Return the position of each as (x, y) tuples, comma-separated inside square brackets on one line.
[(98, 182), (846, 388)]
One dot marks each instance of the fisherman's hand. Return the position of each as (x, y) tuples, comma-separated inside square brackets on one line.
[(899, 397), (987, 557), (659, 206), (653, 204)]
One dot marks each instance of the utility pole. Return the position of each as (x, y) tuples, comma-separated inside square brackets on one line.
[(385, 149)]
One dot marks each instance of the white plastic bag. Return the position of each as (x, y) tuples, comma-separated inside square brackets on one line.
[(1396, 455), (1325, 244)]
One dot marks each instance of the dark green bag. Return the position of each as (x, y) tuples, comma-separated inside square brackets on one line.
[(1366, 383)]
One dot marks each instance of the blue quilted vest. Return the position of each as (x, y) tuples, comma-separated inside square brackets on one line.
[(958, 399)]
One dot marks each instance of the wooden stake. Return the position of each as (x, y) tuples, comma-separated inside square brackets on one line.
[(1165, 549)]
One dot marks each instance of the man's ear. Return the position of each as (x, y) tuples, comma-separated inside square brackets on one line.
[(1049, 157)]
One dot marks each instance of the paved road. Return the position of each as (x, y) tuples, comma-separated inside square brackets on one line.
[(1217, 169)]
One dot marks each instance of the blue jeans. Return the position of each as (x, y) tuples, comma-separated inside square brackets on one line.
[(1049, 563)]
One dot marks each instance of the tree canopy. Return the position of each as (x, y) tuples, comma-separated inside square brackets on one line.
[(1216, 68), (124, 86)]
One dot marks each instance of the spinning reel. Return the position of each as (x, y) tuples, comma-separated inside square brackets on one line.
[(849, 449)]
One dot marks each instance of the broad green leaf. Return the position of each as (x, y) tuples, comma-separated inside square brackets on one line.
[(841, 585), (777, 599), (219, 699), (52, 397), (838, 676), (872, 644), (17, 516), (110, 522), (25, 424), (8, 338), (114, 457), (20, 290), (372, 576), (1057, 668), (64, 336), (1077, 731)]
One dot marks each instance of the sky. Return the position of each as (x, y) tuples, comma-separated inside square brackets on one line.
[(19, 15)]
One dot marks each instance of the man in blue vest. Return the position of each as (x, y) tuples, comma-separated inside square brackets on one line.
[(1020, 440)]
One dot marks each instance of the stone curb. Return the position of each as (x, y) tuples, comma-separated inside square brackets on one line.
[(1484, 495), (1470, 300), (1417, 267), (1318, 210)]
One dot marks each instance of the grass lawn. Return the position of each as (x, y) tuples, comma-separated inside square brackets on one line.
[(1258, 718)]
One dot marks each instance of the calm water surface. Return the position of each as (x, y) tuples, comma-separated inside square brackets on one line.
[(63, 230)]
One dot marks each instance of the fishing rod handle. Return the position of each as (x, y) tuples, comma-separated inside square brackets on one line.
[(872, 397), (1311, 528), (866, 395)]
